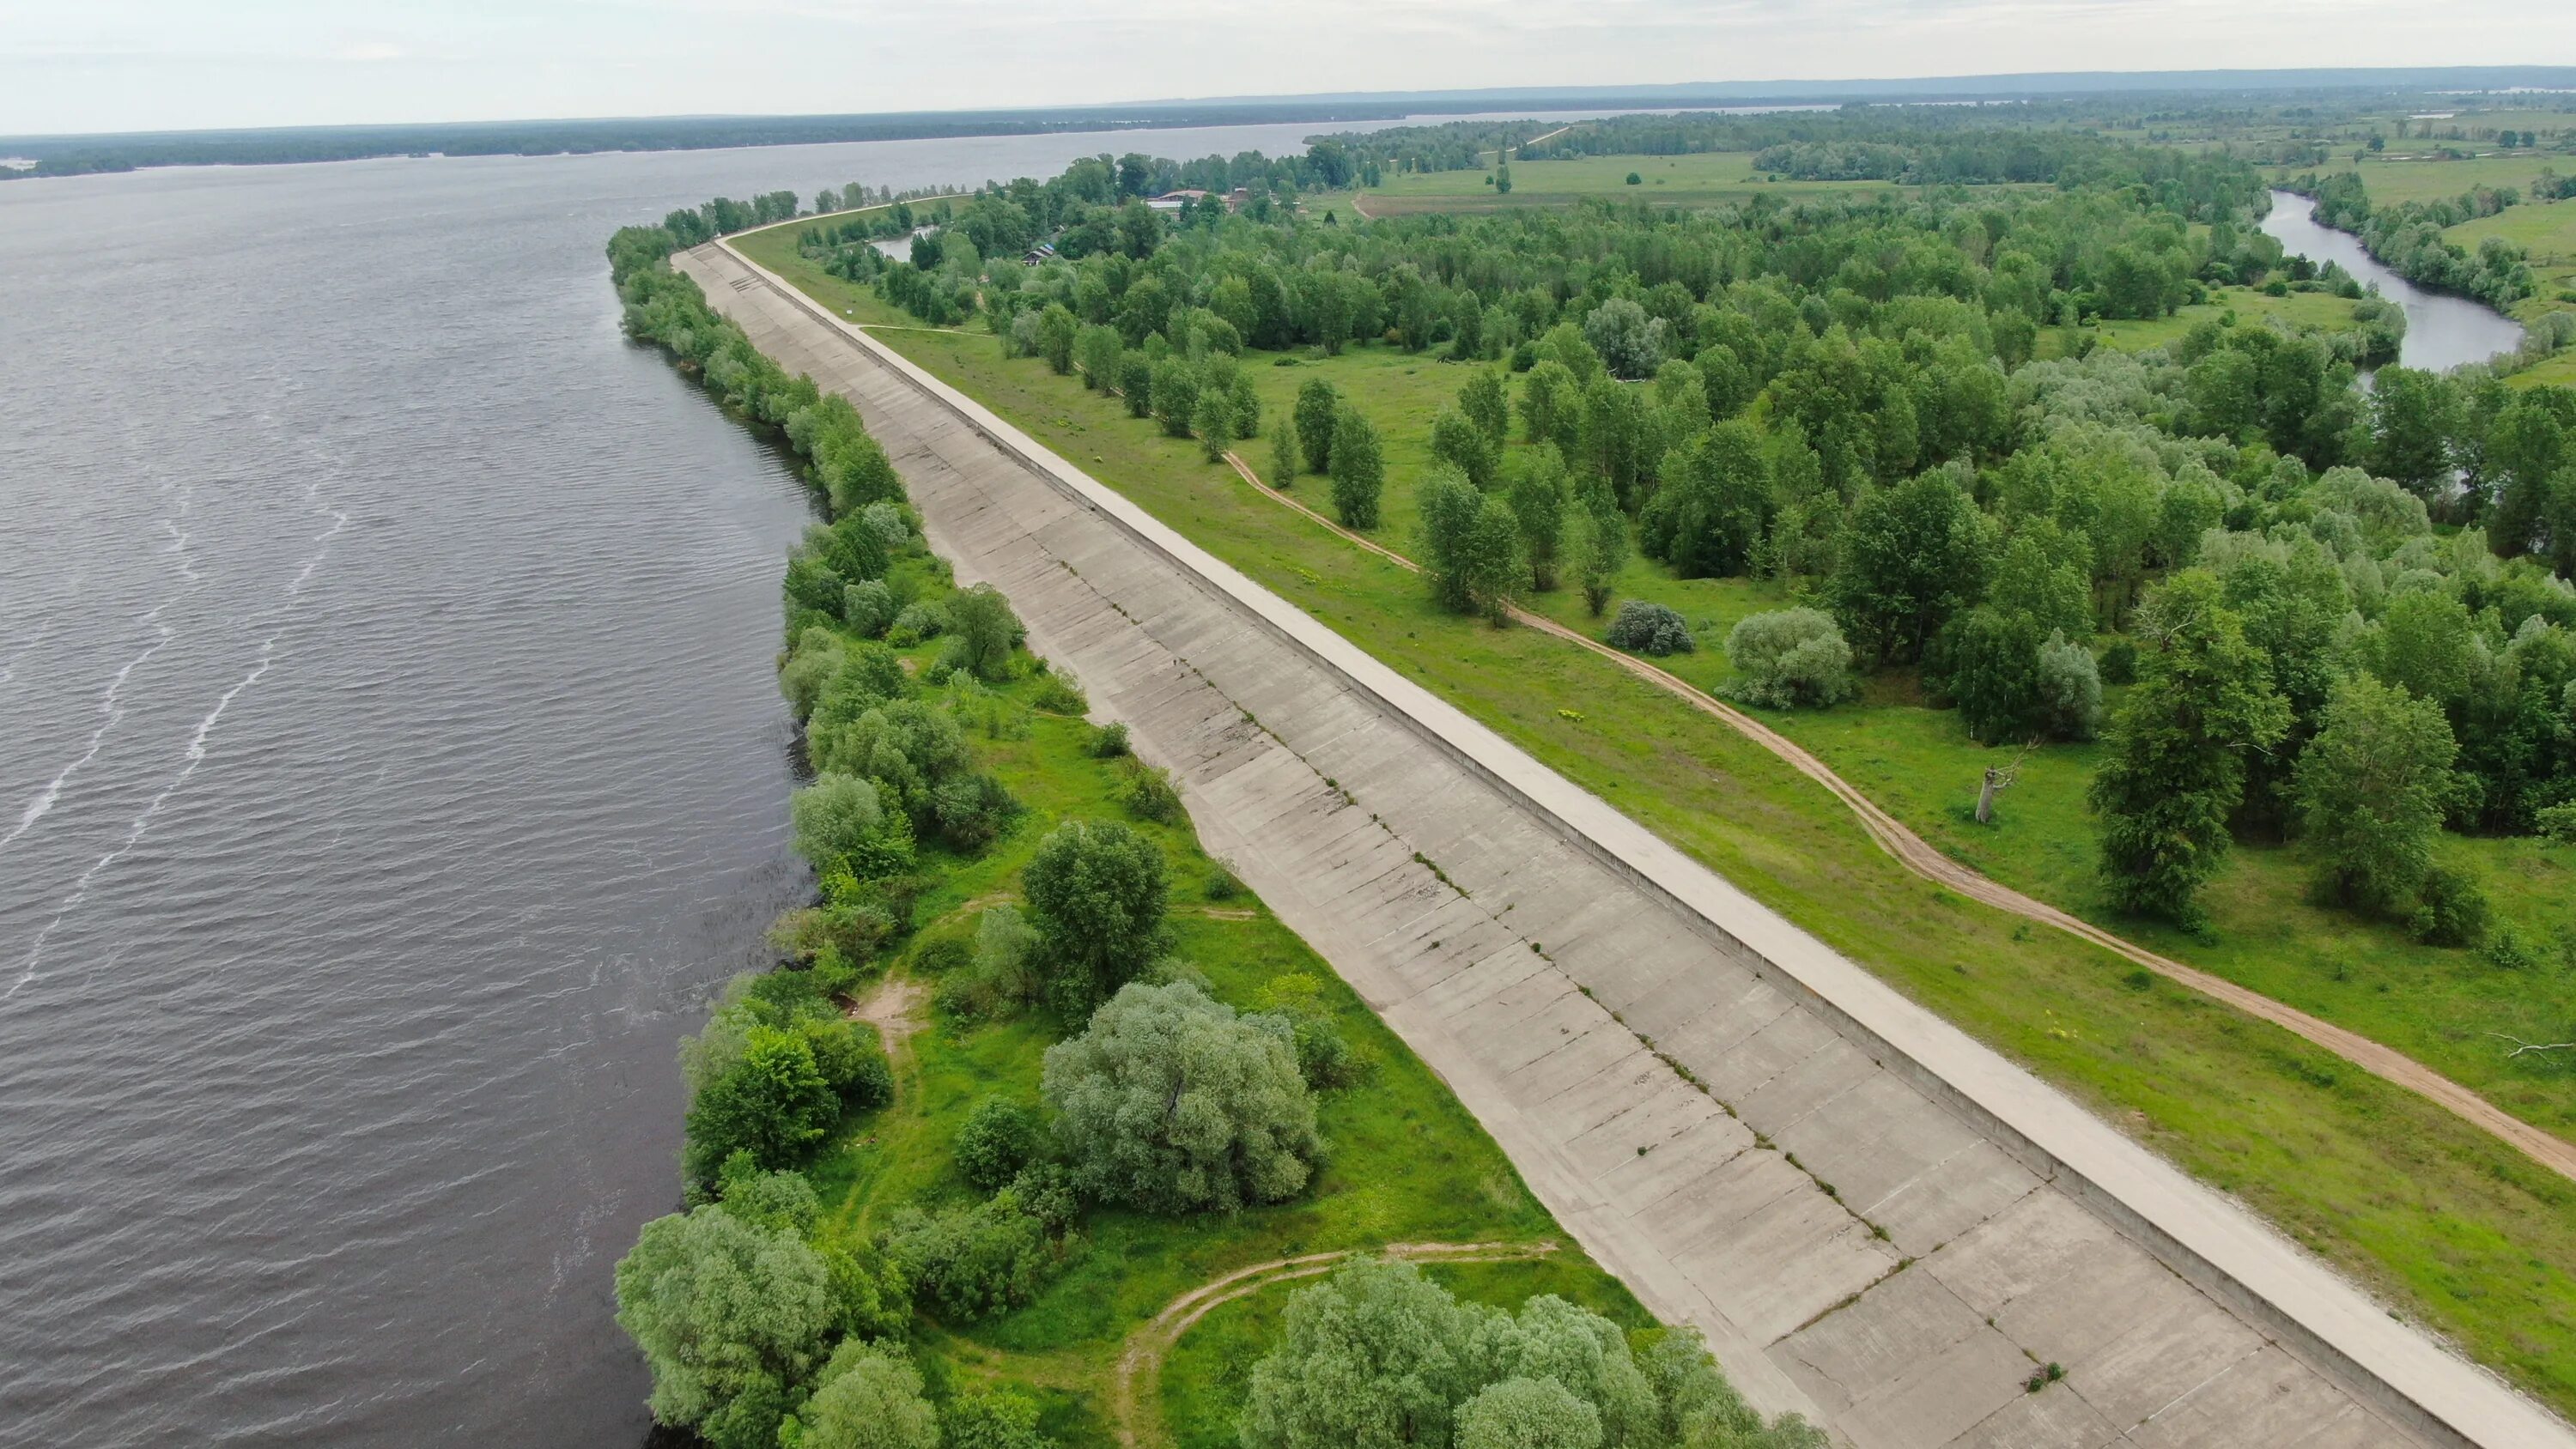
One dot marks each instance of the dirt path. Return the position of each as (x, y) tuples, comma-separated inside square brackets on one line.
[(1136, 1383), (1918, 855), (893, 1008)]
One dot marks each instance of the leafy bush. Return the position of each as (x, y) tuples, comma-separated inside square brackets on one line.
[(915, 623), (1059, 695), (2557, 822), (998, 1139), (970, 1262), (868, 608), (972, 810), (1377, 1343), (1790, 659), (1148, 793), (2120, 662), (868, 1396), (1171, 1102), (1109, 742), (2453, 910), (992, 1419), (1644, 628), (839, 820)]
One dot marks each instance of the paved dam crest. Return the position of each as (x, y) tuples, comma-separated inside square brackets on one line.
[(1877, 1222)]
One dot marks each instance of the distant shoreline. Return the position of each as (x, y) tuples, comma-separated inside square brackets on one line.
[(77, 155)]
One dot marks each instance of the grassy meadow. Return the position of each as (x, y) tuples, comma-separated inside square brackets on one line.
[(1406, 1162), (2456, 1230)]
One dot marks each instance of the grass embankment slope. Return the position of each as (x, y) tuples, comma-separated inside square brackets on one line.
[(2457, 1229), (1406, 1162)]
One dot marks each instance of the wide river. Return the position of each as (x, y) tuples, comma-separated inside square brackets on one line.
[(2442, 331), (390, 767)]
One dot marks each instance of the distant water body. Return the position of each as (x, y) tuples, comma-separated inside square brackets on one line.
[(390, 767), (2442, 331)]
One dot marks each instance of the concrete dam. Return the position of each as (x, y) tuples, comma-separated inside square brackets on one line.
[(1650, 1046)]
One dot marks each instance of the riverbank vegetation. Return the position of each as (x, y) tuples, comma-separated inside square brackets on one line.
[(1034, 1065), (1846, 406)]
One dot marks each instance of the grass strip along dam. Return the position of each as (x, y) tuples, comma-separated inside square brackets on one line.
[(1875, 1220)]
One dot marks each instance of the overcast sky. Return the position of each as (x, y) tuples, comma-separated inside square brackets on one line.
[(115, 65)]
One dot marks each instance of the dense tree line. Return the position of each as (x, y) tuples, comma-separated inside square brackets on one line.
[(1846, 396), (2408, 237), (761, 1328)]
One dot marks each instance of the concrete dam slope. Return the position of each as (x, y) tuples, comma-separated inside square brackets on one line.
[(1652, 1047)]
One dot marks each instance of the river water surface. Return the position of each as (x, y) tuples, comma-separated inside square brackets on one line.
[(2442, 331), (390, 766)]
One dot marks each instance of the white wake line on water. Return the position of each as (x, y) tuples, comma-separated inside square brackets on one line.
[(195, 753), (111, 710), (110, 707)]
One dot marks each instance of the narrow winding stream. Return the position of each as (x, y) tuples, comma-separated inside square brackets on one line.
[(2442, 331)]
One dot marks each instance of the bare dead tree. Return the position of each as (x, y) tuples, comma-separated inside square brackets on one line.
[(2534, 1048), (1997, 782)]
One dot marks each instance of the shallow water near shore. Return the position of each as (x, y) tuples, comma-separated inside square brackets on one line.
[(390, 768)]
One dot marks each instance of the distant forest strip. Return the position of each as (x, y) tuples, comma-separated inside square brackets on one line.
[(81, 155)]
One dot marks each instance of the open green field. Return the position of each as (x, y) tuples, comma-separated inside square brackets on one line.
[(1406, 1162), (2322, 310), (1700, 179), (2546, 232), (2406, 179), (2457, 1230)]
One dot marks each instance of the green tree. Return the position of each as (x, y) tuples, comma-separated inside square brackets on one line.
[(2371, 788), (1601, 547), (1616, 441), (1102, 356), (1136, 384), (1630, 343), (2175, 766), (1471, 545), (1176, 395), (770, 1100), (992, 1419), (1057, 330), (1374, 1357), (1528, 1414), (1358, 469), (867, 1397), (1319, 406), (841, 823), (1097, 894), (1552, 406), (998, 1139), (1214, 423), (1460, 443), (985, 629), (1912, 556), (730, 1317), (1537, 498), (1486, 405), (1988, 664), (1171, 1102), (2413, 415), (1283, 454), (1715, 505)]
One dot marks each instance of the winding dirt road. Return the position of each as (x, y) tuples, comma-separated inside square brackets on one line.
[(1135, 1385), (1919, 856)]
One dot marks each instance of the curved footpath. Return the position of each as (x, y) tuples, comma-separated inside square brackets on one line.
[(1919, 856), (1877, 1221)]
